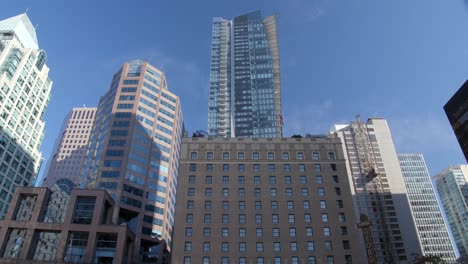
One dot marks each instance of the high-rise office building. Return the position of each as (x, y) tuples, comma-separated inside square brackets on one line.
[(432, 230), (133, 153), (245, 88), (24, 96), (267, 200), (457, 112), (379, 192), (452, 186), (70, 147)]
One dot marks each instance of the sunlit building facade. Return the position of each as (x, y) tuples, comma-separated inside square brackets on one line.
[(452, 186), (245, 89), (379, 194), (70, 147), (24, 96), (133, 153), (432, 230)]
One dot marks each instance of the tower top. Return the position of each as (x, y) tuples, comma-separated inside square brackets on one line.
[(23, 28)]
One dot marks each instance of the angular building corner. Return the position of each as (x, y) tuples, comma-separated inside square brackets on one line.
[(24, 96)]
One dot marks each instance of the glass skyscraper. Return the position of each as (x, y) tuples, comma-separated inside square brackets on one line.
[(24, 95), (133, 153), (432, 230), (245, 88), (452, 186)]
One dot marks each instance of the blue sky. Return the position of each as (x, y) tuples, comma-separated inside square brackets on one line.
[(400, 60)]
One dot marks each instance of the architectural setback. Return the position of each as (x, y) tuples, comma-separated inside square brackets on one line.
[(268, 200)]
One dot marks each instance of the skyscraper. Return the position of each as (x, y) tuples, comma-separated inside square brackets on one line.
[(133, 153), (432, 230), (457, 112), (245, 88), (452, 186), (379, 192), (70, 147), (264, 200), (24, 96)]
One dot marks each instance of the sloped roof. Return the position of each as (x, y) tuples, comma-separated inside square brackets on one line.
[(23, 28)]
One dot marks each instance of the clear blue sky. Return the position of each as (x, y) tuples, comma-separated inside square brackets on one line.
[(401, 60)]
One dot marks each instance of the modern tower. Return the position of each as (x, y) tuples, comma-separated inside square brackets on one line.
[(457, 112), (133, 153), (24, 96), (432, 229), (70, 147), (452, 186), (264, 200), (245, 88), (379, 192)]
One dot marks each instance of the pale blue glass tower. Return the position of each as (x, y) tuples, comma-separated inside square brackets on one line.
[(245, 89)]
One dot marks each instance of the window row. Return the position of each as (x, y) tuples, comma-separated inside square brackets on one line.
[(260, 234), (257, 167), (257, 179), (269, 156), (242, 218), (257, 192)]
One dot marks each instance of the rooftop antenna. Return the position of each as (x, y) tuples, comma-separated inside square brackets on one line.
[(26, 12), (37, 25)]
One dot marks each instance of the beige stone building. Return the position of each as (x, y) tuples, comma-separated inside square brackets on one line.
[(282, 200)]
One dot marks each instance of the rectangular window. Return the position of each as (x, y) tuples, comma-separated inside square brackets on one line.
[(319, 179), (321, 191), (276, 248), (225, 155), (292, 232), (256, 167), (274, 205), (225, 192), (290, 205), (207, 204), (324, 218), (240, 155), (315, 155), (306, 204), (307, 218), (242, 219), (188, 246), (258, 192), (301, 167), (207, 218), (317, 167), (271, 167), (191, 192), (241, 205), (226, 167), (303, 179), (193, 167), (331, 155), (208, 179), (272, 180), (84, 210), (225, 205), (225, 179), (193, 155), (258, 219), (323, 204), (300, 155), (293, 246), (285, 156), (189, 218), (255, 156), (240, 167), (258, 205), (326, 231), (241, 232), (224, 247), (256, 179), (225, 219), (275, 219), (208, 192), (291, 218), (259, 247), (309, 231), (341, 217), (259, 232), (271, 155), (225, 232), (206, 232), (276, 232), (209, 155), (242, 247), (305, 192), (206, 247), (287, 179), (190, 204), (339, 204), (209, 167), (191, 179), (310, 246), (188, 231), (273, 192), (241, 192), (289, 192), (286, 168), (241, 180)]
